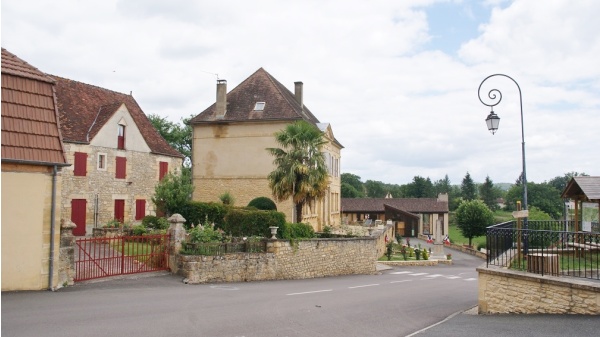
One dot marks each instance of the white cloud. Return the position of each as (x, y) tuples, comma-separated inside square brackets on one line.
[(399, 105)]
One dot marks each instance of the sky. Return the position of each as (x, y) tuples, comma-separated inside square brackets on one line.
[(397, 80)]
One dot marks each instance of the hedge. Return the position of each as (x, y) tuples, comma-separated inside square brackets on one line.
[(199, 213), (296, 231), (243, 222)]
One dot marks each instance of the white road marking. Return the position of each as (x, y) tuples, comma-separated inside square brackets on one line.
[(401, 272), (366, 285), (435, 275), (400, 281), (310, 292), (452, 277), (418, 274), (470, 279)]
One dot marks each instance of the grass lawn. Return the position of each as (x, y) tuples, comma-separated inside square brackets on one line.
[(456, 236)]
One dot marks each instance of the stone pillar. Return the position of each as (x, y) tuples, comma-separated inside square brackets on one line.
[(438, 244), (66, 265), (177, 233)]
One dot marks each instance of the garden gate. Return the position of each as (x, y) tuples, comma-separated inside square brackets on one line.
[(120, 255)]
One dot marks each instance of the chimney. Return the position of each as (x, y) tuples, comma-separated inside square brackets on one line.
[(221, 99), (298, 93)]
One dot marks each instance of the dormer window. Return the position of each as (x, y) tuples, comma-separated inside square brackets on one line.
[(259, 106), (121, 137)]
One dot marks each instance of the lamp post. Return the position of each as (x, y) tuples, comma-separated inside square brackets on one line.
[(494, 96)]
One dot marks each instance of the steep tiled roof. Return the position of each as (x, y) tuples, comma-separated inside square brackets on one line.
[(377, 205), (280, 103), (85, 108), (30, 130)]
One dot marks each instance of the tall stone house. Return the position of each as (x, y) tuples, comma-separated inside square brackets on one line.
[(32, 159), (230, 139), (117, 155)]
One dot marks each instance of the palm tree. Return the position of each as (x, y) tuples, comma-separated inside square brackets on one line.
[(300, 170)]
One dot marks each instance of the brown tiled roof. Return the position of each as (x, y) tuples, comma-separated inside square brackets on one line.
[(30, 130), (84, 109), (411, 205), (582, 188), (280, 103)]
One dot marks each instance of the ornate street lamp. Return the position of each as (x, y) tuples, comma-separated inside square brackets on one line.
[(494, 96)]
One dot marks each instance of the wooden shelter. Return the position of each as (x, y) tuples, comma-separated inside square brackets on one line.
[(582, 189)]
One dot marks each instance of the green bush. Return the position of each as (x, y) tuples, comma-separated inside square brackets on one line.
[(263, 203), (198, 213), (200, 234), (155, 222), (244, 222), (139, 230), (296, 231)]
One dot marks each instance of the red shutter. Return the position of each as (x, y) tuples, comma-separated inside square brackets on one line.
[(121, 138), (140, 209), (163, 169), (121, 169), (120, 210), (78, 208), (80, 165)]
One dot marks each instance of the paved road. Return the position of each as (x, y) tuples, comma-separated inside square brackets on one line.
[(398, 302)]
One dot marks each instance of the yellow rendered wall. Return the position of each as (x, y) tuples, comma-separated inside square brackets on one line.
[(26, 199)]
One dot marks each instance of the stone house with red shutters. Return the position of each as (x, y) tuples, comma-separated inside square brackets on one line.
[(118, 157), (32, 160)]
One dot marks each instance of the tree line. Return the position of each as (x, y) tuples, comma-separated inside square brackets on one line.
[(544, 196)]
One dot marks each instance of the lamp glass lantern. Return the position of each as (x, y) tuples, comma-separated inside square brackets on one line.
[(492, 122)]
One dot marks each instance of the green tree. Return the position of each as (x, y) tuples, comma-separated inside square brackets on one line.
[(172, 193), (300, 171), (467, 188), (472, 217), (354, 187), (420, 188), (488, 194), (375, 189), (543, 196), (179, 136), (560, 182)]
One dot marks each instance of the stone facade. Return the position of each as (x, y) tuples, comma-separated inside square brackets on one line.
[(503, 291), (100, 188), (284, 260)]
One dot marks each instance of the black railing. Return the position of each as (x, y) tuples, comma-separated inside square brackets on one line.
[(218, 249), (552, 248)]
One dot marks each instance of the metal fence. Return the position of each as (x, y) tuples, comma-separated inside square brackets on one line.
[(545, 247), (109, 256), (218, 249)]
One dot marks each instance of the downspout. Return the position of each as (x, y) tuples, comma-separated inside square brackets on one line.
[(52, 230)]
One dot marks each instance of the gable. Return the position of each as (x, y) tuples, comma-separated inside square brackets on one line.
[(84, 110), (106, 136)]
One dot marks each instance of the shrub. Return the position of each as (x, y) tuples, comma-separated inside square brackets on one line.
[(425, 254), (139, 230), (243, 222), (112, 224), (389, 250), (200, 234), (296, 231), (263, 203), (155, 222), (197, 213), (227, 199)]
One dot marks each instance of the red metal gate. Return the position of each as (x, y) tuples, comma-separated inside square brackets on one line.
[(120, 255)]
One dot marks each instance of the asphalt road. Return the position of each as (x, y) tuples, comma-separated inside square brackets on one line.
[(397, 302)]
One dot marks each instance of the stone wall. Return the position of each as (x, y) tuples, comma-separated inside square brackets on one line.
[(503, 291), (284, 260)]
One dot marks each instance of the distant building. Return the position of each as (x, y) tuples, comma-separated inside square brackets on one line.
[(411, 216)]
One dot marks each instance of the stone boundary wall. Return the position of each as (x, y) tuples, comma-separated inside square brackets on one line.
[(284, 260), (388, 231), (503, 291)]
